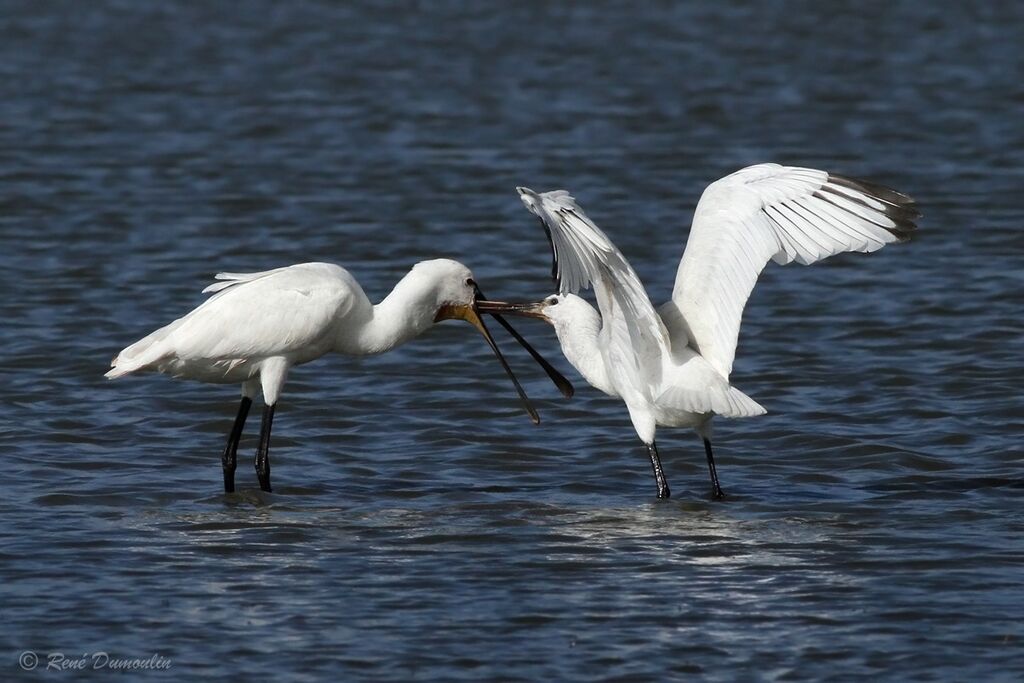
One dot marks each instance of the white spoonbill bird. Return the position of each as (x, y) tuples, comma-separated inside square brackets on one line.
[(257, 326), (671, 365)]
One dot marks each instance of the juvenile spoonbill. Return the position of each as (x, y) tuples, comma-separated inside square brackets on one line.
[(671, 365), (257, 326)]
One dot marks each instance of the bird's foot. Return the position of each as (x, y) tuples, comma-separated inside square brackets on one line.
[(718, 494), (663, 492)]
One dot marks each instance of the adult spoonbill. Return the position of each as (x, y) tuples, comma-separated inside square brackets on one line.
[(671, 365), (257, 326)]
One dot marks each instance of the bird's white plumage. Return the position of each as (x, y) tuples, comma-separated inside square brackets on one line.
[(671, 366), (231, 279), (761, 213), (634, 337), (287, 312), (258, 325)]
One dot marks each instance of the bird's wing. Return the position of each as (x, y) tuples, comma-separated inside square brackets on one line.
[(265, 314), (779, 213), (632, 331)]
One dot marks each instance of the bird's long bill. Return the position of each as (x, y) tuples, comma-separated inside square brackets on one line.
[(470, 315), (525, 310), (496, 308)]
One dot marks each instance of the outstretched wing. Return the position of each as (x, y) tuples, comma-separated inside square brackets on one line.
[(632, 331), (779, 213)]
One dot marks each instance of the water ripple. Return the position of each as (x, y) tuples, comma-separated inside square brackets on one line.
[(420, 527)]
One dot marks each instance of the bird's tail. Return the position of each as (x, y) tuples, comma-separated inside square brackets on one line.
[(141, 355), (726, 401), (120, 367), (741, 405)]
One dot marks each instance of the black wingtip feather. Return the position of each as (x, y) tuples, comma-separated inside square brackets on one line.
[(880, 192), (900, 208), (554, 256)]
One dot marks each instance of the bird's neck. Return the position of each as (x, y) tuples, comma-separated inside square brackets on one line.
[(407, 312), (579, 341)]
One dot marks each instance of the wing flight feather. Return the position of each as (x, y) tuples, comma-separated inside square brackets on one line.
[(772, 212), (632, 330)]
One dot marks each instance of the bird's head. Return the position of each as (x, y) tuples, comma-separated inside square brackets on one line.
[(560, 310), (443, 284)]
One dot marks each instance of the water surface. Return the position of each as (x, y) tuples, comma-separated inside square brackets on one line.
[(421, 528)]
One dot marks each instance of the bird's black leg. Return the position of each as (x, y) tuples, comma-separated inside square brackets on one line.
[(716, 489), (659, 473), (263, 450), (229, 459)]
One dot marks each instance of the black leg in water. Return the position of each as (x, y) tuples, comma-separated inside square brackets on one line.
[(263, 450), (716, 489), (229, 459), (659, 473)]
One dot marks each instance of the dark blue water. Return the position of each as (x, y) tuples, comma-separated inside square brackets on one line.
[(421, 528)]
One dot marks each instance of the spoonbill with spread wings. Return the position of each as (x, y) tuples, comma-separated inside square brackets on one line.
[(671, 365)]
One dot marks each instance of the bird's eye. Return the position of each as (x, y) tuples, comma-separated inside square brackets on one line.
[(469, 281), (553, 300)]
